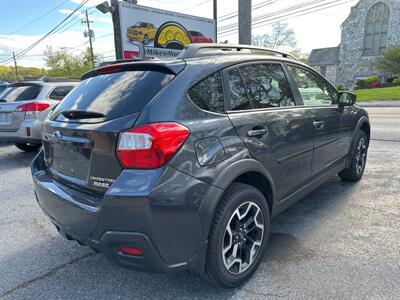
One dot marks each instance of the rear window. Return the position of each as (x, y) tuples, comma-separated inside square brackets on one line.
[(20, 93), (114, 95)]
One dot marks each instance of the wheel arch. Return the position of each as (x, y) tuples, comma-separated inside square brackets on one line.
[(248, 171)]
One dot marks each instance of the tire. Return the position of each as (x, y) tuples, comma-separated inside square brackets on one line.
[(28, 147), (145, 39), (220, 269), (358, 159)]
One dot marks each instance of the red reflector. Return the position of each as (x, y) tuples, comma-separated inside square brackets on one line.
[(150, 146), (131, 251), (109, 69), (33, 107)]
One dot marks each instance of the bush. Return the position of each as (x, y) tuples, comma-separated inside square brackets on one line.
[(341, 87), (371, 79), (396, 82), (361, 83), (375, 84), (390, 79)]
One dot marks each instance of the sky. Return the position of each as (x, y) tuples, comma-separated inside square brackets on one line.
[(23, 22)]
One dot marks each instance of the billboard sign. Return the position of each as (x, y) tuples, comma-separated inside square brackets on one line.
[(151, 32)]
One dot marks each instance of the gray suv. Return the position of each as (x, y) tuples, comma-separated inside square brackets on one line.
[(181, 164)]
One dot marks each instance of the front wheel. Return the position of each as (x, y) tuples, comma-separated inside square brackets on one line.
[(238, 236), (358, 159), (28, 147)]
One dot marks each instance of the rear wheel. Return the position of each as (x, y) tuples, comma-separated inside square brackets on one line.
[(238, 236), (28, 147), (358, 159)]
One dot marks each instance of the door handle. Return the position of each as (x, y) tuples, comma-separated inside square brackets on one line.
[(257, 131), (319, 124)]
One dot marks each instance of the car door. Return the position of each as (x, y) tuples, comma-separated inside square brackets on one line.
[(322, 100), (262, 108)]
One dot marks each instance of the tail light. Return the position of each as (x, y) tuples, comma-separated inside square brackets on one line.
[(150, 146), (33, 107)]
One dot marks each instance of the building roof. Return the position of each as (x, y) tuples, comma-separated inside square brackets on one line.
[(324, 56)]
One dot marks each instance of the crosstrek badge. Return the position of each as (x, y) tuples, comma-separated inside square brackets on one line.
[(101, 181)]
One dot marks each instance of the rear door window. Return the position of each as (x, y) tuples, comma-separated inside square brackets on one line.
[(114, 95), (207, 94), (20, 92), (238, 96), (267, 85), (60, 92)]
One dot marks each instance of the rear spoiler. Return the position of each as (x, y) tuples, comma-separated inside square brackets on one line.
[(173, 67)]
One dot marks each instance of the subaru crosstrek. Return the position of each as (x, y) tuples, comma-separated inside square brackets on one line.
[(181, 164)]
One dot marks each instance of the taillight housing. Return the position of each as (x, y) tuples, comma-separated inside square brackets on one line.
[(33, 107), (150, 146)]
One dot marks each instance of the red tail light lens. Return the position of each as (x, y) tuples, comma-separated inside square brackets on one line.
[(150, 146), (33, 107)]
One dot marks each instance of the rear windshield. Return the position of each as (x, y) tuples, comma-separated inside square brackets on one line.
[(20, 93), (113, 95)]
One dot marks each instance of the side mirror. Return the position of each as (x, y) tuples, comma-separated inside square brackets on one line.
[(346, 99)]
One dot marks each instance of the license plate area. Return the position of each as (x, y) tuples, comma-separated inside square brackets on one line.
[(72, 161), (5, 118)]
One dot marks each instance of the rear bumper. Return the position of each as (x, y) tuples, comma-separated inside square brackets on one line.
[(167, 234), (30, 131)]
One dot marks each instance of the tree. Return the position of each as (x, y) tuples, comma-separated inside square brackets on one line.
[(303, 57), (7, 73), (390, 61), (61, 63), (281, 37)]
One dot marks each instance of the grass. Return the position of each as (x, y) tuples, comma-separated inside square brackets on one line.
[(389, 93)]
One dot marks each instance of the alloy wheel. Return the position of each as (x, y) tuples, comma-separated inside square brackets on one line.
[(361, 155), (243, 237)]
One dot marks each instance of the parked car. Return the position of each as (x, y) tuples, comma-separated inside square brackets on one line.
[(24, 106), (198, 37), (142, 32), (181, 164), (3, 86)]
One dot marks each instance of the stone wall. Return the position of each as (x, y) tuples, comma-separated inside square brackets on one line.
[(352, 61)]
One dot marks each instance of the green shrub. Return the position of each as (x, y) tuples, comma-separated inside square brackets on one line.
[(390, 79), (396, 82), (361, 83), (371, 79)]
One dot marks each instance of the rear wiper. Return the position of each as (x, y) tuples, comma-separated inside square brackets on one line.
[(81, 114), (3, 100)]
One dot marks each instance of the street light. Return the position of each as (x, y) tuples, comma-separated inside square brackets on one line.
[(104, 7)]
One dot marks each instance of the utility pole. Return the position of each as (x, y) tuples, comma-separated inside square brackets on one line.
[(117, 29), (245, 22), (89, 33), (16, 67), (215, 17)]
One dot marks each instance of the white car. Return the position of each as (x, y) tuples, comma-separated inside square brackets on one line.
[(24, 106)]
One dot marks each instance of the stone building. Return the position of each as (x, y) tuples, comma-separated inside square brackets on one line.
[(372, 27)]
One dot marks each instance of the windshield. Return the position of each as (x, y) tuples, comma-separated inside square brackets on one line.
[(140, 24), (20, 93), (113, 95)]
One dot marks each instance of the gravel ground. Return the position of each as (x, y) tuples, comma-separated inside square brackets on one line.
[(341, 241)]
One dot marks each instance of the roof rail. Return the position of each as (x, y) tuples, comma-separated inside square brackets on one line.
[(198, 50), (58, 79)]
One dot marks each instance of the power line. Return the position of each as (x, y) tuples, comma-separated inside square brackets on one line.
[(38, 18), (266, 20), (281, 11), (26, 50), (234, 14)]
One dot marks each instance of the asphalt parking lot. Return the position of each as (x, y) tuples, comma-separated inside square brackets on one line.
[(341, 241)]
